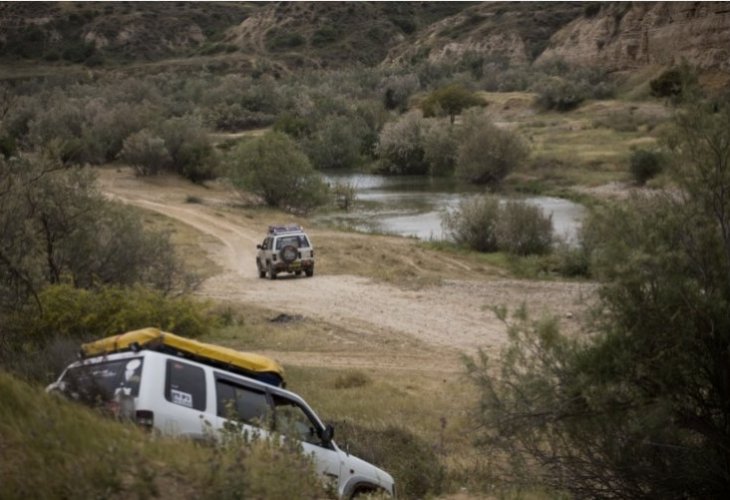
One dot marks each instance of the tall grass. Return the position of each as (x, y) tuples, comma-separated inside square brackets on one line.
[(51, 448)]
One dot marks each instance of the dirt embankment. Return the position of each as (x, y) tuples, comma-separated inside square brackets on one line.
[(454, 316)]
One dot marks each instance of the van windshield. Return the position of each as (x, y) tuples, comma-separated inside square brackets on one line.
[(98, 383)]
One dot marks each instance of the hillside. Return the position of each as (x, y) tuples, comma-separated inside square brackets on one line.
[(512, 31), (285, 36), (626, 36)]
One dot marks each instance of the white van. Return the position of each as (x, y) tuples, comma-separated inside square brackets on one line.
[(182, 397)]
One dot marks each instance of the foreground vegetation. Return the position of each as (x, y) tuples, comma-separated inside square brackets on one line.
[(639, 408), (53, 448)]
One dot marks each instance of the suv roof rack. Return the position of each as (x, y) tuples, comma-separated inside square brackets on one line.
[(288, 228), (259, 367)]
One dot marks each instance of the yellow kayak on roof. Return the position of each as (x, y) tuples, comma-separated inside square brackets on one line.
[(253, 365)]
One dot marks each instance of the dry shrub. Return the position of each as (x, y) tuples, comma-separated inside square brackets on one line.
[(351, 380)]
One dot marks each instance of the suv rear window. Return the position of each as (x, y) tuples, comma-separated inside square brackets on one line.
[(295, 241), (100, 382), (185, 385)]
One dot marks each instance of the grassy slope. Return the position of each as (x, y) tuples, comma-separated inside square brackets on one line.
[(51, 448), (588, 146)]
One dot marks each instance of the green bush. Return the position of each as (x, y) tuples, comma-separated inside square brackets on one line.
[(669, 84), (474, 223), (416, 468), (523, 229), (145, 152), (487, 153), (61, 119), (450, 101), (69, 312), (107, 125), (397, 89), (336, 144), (645, 165), (281, 39), (191, 151), (572, 260), (8, 146), (324, 36), (42, 338), (273, 167), (440, 148), (78, 52), (400, 149), (57, 228), (294, 125), (560, 94), (483, 224)]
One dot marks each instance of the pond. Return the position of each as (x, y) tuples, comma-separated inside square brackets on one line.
[(413, 206)]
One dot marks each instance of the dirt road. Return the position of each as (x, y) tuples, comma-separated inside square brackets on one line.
[(455, 315)]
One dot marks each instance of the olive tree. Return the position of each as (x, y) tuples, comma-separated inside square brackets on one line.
[(57, 228), (450, 101), (400, 148), (190, 148), (487, 153), (273, 167), (145, 152), (336, 144), (440, 143)]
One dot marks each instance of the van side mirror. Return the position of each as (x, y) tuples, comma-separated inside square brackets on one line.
[(258, 246), (328, 433)]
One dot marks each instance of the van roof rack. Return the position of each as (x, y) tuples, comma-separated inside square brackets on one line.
[(286, 228), (252, 365)]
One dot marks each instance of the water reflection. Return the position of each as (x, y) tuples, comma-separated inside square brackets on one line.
[(414, 205)]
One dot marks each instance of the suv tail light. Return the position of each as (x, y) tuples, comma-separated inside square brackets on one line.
[(145, 418)]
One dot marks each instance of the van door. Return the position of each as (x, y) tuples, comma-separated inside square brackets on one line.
[(296, 422), (183, 411), (241, 405)]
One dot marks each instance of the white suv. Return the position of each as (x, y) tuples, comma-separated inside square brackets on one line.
[(285, 249), (180, 396)]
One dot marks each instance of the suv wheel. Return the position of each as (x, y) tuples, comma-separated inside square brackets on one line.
[(309, 272), (262, 271), (272, 273)]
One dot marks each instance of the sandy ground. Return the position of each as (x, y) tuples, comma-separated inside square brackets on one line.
[(454, 316)]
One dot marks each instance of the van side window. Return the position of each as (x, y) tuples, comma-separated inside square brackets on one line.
[(185, 385), (242, 403), (291, 420), (97, 383)]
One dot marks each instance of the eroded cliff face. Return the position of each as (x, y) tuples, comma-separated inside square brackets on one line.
[(627, 36), (514, 32)]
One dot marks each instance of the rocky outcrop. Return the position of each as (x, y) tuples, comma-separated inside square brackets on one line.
[(514, 32), (627, 36)]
